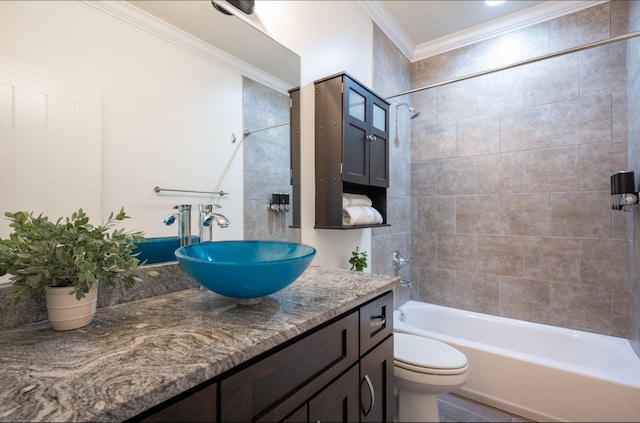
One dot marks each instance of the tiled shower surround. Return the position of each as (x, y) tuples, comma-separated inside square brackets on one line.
[(509, 190)]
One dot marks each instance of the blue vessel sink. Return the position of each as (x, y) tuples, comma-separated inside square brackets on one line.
[(246, 270), (159, 250)]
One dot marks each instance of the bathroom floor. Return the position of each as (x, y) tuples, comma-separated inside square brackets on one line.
[(454, 408)]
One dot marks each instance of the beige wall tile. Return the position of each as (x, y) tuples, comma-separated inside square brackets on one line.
[(620, 126), (620, 224), (477, 214), (437, 141), (500, 173), (457, 101), (598, 162), (581, 307), (620, 311), (477, 292), (552, 80), (525, 299), (426, 103), (423, 178), (500, 255), (525, 214), (605, 262), (456, 252), (479, 135), (581, 121), (619, 12), (437, 214), (438, 287), (603, 69), (478, 57), (433, 69), (579, 28), (500, 92), (526, 129), (581, 214), (552, 259), (456, 176), (532, 41), (424, 249), (554, 169)]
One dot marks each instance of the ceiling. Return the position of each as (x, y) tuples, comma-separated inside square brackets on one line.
[(422, 28), (426, 21)]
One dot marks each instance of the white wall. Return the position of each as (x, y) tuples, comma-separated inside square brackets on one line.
[(167, 114), (330, 37)]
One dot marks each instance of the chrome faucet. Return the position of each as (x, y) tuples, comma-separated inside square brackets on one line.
[(207, 215), (398, 261), (184, 223)]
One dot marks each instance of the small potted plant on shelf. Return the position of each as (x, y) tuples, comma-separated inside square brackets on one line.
[(67, 259), (358, 260)]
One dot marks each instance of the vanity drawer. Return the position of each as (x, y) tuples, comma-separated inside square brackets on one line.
[(288, 377), (376, 322)]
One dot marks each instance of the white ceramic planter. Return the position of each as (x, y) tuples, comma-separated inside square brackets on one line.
[(65, 312)]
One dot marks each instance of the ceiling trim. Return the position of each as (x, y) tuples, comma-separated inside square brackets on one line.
[(156, 26), (387, 23), (518, 20)]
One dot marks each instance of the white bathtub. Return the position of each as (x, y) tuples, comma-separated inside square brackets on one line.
[(541, 372)]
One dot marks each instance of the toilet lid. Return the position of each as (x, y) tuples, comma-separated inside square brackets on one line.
[(415, 352)]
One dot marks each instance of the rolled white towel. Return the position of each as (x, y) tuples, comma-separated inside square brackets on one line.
[(349, 200), (360, 215)]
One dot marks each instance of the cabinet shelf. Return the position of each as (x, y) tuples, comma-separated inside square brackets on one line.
[(376, 225)]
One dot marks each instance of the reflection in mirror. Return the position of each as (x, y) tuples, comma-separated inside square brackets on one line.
[(166, 111), (266, 163), (228, 33)]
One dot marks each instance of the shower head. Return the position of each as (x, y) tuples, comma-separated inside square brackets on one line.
[(414, 112)]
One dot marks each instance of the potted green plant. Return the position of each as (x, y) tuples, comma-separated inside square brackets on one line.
[(358, 260), (67, 259)]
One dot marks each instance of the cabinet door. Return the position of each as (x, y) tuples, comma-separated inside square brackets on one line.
[(199, 406), (338, 402), (379, 143), (355, 149), (376, 384), (279, 383)]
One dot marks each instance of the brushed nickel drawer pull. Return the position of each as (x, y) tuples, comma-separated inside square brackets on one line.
[(373, 396), (377, 321)]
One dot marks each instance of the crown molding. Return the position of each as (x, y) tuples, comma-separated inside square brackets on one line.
[(153, 25), (531, 16), (387, 23)]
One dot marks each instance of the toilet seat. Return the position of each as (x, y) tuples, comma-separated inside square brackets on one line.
[(424, 355)]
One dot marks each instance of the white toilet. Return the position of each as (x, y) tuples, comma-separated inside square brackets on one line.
[(423, 369)]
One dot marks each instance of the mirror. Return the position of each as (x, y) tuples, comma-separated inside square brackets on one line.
[(169, 112)]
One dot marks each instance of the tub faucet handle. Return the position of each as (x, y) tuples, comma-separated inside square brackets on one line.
[(398, 261)]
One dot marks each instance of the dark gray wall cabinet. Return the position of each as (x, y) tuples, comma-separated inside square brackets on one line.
[(351, 148)]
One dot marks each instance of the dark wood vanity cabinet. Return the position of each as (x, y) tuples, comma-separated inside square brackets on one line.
[(351, 147), (196, 405), (339, 372)]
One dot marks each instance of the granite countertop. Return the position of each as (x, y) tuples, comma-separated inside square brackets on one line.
[(139, 354)]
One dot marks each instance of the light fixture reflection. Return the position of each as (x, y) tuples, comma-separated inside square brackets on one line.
[(493, 2)]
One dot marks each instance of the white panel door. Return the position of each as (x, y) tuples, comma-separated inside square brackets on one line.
[(50, 159)]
